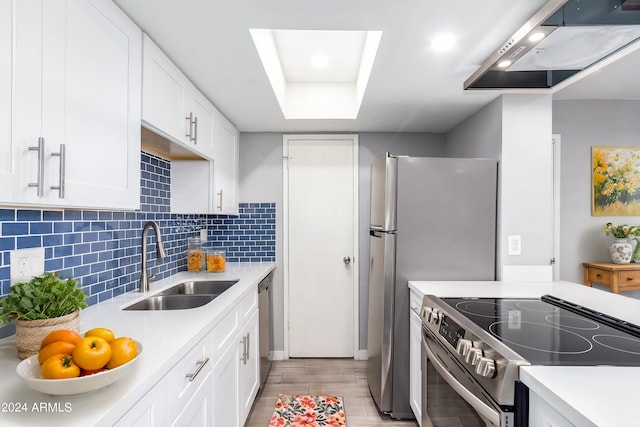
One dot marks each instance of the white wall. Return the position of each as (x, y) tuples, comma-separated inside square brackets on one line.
[(261, 181), (515, 130), (527, 179), (582, 124), (478, 136)]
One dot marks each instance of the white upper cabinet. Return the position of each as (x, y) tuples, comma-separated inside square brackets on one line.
[(75, 134), (201, 114), (7, 175), (171, 106), (225, 167), (163, 87)]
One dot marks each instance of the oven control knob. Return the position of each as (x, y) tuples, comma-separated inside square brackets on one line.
[(433, 316), (463, 347), (473, 356), (486, 367)]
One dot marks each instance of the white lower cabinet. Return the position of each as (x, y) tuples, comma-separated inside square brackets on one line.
[(198, 411), (542, 414), (249, 366), (214, 384), (226, 376), (150, 411), (186, 378), (236, 374), (415, 349)]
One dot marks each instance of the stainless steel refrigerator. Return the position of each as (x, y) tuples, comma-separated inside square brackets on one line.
[(431, 219)]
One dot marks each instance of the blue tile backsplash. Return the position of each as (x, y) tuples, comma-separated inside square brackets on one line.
[(101, 249)]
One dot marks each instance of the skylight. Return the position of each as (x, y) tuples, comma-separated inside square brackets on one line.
[(317, 74)]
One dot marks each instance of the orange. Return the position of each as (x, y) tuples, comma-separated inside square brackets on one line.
[(58, 347), (105, 333), (123, 350), (59, 366), (92, 353), (60, 335)]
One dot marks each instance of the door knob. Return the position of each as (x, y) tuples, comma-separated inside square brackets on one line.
[(347, 260)]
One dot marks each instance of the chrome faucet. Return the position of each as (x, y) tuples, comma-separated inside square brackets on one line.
[(145, 279)]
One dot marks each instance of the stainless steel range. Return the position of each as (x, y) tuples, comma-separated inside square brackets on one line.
[(473, 348)]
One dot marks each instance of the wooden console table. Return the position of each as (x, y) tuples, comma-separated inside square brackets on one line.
[(619, 277)]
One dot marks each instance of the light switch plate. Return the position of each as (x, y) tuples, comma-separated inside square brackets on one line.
[(25, 264)]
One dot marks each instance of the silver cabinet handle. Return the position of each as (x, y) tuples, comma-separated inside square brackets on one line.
[(199, 365), (195, 131), (245, 355), (248, 346), (189, 119), (220, 200), (40, 183), (346, 260), (61, 175)]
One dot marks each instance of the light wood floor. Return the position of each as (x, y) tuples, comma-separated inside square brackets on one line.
[(334, 377)]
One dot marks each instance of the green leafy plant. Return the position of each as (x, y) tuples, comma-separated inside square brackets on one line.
[(43, 297)]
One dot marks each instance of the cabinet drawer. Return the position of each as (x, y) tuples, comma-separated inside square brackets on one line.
[(248, 305), (415, 301), (222, 334), (629, 278), (599, 276), (187, 375)]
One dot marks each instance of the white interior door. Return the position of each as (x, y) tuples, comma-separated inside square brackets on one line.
[(321, 229)]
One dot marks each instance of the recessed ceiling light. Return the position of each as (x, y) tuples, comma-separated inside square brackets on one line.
[(504, 64), (443, 43), (320, 60), (317, 74), (536, 37)]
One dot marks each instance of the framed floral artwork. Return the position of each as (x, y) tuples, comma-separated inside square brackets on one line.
[(615, 181)]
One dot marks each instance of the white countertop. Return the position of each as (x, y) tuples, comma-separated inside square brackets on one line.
[(587, 396), (166, 336)]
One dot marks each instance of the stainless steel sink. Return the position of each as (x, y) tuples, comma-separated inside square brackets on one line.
[(184, 295), (171, 302), (200, 287)]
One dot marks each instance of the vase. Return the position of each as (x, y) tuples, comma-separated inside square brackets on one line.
[(621, 251), (29, 333)]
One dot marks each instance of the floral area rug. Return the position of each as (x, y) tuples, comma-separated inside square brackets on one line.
[(308, 411)]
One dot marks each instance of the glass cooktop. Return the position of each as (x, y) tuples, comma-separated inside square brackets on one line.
[(550, 331)]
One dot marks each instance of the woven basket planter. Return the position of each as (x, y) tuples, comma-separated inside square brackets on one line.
[(29, 333)]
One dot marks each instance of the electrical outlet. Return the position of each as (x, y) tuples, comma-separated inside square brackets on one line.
[(515, 245), (203, 235), (25, 264)]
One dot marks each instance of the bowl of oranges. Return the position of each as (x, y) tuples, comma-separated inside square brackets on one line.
[(70, 364)]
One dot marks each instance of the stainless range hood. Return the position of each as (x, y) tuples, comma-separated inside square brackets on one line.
[(562, 39)]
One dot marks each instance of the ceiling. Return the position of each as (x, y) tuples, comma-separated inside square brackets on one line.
[(412, 88)]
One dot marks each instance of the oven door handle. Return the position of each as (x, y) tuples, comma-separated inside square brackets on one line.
[(487, 413)]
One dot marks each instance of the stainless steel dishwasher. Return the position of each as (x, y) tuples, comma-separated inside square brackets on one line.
[(266, 340)]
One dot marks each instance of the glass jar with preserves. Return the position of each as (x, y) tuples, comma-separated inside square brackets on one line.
[(216, 260), (195, 254)]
